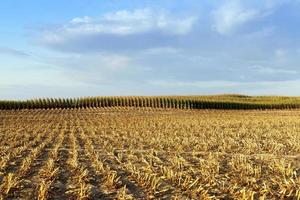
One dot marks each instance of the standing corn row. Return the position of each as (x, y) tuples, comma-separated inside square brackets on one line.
[(152, 102)]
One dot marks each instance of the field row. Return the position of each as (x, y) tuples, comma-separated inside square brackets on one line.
[(138, 154)]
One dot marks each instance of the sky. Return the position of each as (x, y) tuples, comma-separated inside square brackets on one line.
[(63, 48)]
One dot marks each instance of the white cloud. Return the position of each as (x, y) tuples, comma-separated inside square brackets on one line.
[(272, 71), (198, 84), (230, 15), (89, 61), (90, 68), (271, 4), (115, 62), (33, 76), (288, 87), (280, 55), (79, 20), (142, 20), (162, 50), (233, 14), (263, 33), (130, 27)]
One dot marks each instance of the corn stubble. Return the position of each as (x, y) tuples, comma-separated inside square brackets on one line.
[(147, 153)]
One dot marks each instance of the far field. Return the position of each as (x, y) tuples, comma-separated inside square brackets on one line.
[(144, 153)]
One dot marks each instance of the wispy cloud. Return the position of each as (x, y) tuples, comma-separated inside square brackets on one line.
[(198, 84), (272, 71), (12, 52), (280, 55), (288, 87), (95, 68), (141, 28), (236, 13), (231, 15)]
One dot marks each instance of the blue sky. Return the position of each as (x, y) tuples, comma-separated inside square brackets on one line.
[(63, 48)]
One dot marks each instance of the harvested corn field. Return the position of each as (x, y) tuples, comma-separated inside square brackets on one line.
[(144, 153)]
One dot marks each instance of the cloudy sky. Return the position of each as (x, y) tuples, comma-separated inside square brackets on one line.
[(63, 48)]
